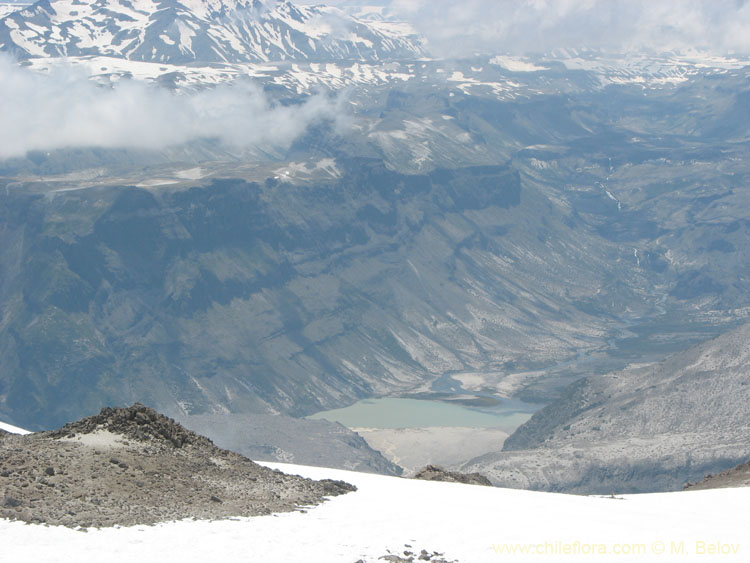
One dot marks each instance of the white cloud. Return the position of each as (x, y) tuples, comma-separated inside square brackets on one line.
[(65, 109), (522, 26)]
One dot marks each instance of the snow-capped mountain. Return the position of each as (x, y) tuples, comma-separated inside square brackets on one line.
[(183, 31)]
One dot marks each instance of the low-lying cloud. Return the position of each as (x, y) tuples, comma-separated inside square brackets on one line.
[(457, 28), (64, 109)]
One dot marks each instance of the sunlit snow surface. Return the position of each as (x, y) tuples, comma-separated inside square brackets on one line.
[(8, 7), (467, 523), (13, 429)]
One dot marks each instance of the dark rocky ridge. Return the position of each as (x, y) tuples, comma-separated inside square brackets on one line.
[(139, 423), (736, 477), (128, 466), (435, 473)]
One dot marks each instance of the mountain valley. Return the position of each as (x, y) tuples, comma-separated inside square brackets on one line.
[(543, 227)]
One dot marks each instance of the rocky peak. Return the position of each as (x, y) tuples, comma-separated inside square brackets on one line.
[(159, 472), (137, 422)]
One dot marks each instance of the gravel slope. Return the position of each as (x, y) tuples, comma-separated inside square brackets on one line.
[(128, 466)]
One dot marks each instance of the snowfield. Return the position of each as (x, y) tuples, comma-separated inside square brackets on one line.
[(467, 523)]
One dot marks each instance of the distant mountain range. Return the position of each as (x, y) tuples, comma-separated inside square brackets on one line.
[(216, 31)]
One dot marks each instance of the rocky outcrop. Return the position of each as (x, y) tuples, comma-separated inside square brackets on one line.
[(137, 422), (409, 555), (128, 466), (737, 477), (436, 473)]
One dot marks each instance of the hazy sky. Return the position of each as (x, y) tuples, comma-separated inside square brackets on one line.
[(464, 26)]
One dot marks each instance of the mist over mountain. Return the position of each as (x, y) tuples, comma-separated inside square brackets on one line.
[(70, 110), (461, 29)]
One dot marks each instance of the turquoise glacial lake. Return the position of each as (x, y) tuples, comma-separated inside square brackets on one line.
[(420, 413)]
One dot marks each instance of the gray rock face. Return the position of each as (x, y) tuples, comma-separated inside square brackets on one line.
[(644, 429), (291, 440)]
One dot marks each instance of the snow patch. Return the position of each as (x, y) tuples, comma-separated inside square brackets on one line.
[(516, 64), (100, 439), (13, 429), (191, 174)]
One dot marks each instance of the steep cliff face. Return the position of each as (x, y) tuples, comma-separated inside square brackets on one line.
[(274, 297)]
